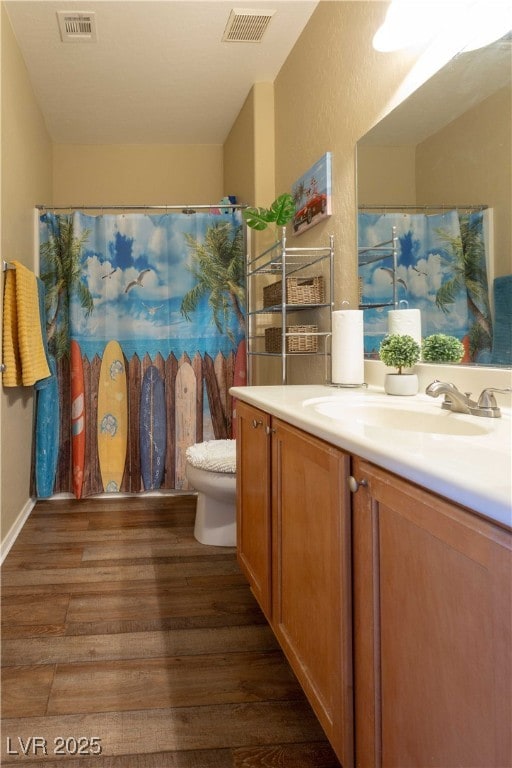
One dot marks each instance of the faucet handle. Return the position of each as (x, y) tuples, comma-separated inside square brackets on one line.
[(487, 399)]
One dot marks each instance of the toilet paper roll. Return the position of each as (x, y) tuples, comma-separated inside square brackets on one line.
[(405, 322), (347, 355)]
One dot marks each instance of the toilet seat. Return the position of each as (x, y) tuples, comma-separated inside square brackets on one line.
[(213, 455)]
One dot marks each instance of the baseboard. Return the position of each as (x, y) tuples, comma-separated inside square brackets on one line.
[(15, 529)]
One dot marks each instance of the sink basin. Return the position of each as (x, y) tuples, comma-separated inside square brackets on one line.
[(423, 419)]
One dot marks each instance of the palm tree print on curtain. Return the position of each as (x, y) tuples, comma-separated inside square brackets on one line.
[(219, 274), (469, 274), (169, 290), (62, 276), (441, 271)]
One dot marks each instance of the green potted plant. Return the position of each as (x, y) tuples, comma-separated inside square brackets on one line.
[(280, 213), (440, 348), (400, 351)]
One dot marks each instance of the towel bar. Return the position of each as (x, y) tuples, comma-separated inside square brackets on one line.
[(5, 267)]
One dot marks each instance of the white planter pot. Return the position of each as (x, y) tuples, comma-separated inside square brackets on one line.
[(401, 383)]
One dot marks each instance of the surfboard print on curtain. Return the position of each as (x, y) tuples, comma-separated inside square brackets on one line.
[(132, 299), (77, 417), (153, 427), (112, 422)]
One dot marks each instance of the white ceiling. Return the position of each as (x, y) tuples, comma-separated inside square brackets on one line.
[(159, 72)]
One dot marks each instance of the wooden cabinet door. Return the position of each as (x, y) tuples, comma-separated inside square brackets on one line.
[(432, 630), (311, 575), (253, 501)]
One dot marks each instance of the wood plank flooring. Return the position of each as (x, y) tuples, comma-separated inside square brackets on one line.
[(121, 631)]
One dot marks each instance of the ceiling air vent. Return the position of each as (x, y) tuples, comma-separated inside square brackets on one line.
[(77, 26), (246, 26)]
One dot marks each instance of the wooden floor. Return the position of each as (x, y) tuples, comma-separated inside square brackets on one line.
[(121, 632)]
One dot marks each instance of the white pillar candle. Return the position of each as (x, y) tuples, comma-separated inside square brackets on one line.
[(406, 322), (347, 353)]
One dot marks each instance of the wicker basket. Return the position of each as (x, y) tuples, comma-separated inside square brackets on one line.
[(305, 343), (299, 290)]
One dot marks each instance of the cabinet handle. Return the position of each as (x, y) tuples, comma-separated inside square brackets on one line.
[(270, 431), (256, 424), (354, 484)]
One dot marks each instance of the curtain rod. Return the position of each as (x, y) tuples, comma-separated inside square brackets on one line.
[(185, 208), (441, 207)]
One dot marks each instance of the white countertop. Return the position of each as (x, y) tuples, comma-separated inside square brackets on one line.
[(473, 470)]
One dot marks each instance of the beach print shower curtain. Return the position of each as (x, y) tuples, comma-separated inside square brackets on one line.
[(145, 322), (442, 270)]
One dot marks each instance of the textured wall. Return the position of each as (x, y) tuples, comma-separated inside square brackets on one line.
[(249, 170), (137, 174), (249, 149), (330, 91), (377, 177), (26, 179)]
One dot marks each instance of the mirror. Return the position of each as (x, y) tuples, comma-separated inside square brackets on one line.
[(448, 147)]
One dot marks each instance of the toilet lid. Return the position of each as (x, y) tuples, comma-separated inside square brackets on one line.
[(213, 455)]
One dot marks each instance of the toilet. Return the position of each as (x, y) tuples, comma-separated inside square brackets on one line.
[(211, 471)]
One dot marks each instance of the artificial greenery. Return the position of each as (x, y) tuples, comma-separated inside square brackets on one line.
[(440, 348), (280, 213), (399, 351)]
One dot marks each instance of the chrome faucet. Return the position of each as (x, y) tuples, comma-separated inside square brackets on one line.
[(454, 400), (461, 402)]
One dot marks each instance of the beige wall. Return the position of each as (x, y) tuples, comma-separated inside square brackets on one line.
[(249, 150), (377, 179), (470, 160), (239, 153), (26, 155), (136, 174), (249, 168), (330, 91)]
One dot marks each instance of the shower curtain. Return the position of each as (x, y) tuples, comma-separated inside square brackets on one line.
[(145, 318), (442, 270)]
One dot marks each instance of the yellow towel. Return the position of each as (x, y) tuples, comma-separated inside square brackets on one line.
[(23, 350)]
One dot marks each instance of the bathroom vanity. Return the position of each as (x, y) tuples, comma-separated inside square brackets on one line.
[(294, 546), (389, 592)]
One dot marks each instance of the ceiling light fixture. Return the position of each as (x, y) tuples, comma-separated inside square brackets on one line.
[(407, 24), (490, 22), (475, 23)]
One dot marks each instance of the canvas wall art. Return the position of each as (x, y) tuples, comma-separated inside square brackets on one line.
[(312, 195)]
